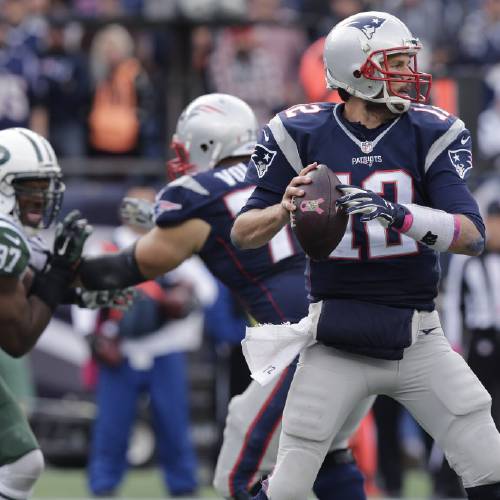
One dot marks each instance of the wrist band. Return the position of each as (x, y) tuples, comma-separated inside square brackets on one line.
[(431, 227)]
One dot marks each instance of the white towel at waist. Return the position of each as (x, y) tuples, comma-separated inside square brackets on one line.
[(269, 349)]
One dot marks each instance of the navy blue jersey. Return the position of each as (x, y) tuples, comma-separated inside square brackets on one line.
[(422, 156), (19, 87), (268, 280)]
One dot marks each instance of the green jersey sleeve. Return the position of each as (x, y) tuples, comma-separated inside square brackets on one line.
[(14, 250)]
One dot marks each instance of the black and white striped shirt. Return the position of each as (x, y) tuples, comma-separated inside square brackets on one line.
[(472, 295)]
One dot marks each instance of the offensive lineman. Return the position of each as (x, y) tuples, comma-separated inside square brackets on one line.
[(32, 283), (193, 215), (403, 166)]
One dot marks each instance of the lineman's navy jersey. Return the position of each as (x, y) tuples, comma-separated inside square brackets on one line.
[(269, 280), (422, 156)]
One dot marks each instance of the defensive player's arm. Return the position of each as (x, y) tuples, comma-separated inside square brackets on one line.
[(254, 228), (23, 318), (157, 252)]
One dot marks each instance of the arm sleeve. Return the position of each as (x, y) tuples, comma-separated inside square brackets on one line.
[(261, 198), (446, 181), (275, 160), (179, 201)]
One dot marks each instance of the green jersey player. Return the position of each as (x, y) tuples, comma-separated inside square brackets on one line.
[(33, 282)]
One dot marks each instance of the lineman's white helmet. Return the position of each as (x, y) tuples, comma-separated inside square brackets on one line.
[(356, 60), (211, 128), (27, 156)]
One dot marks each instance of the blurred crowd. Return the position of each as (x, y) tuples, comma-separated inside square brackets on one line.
[(68, 64)]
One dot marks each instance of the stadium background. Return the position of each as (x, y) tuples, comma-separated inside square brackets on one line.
[(55, 55)]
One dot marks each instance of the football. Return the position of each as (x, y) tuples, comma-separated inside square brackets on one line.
[(316, 222)]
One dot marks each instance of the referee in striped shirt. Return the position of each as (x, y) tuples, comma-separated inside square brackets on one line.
[(471, 308)]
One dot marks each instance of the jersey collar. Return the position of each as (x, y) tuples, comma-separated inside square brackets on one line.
[(366, 146)]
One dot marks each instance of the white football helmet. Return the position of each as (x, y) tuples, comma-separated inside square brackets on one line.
[(356, 60), (211, 128), (27, 156)]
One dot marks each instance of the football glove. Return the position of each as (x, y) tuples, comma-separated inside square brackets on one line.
[(137, 212), (51, 285), (372, 206), (71, 234)]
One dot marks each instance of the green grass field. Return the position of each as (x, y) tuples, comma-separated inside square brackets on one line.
[(58, 484)]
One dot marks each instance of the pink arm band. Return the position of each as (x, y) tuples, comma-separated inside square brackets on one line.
[(457, 226)]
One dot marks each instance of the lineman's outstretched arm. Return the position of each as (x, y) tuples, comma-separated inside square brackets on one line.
[(157, 252)]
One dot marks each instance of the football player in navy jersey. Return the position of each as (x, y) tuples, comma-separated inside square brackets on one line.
[(194, 214), (372, 324)]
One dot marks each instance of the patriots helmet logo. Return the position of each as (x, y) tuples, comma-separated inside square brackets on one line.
[(461, 159), (368, 25), (262, 159)]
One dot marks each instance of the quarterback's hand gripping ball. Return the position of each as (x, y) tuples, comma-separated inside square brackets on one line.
[(371, 206), (317, 221)]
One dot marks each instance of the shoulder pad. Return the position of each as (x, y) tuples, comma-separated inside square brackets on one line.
[(306, 115), (180, 200), (432, 116), (14, 249)]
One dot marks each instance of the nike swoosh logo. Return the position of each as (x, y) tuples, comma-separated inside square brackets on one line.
[(14, 239), (428, 330), (64, 247), (464, 140), (266, 137)]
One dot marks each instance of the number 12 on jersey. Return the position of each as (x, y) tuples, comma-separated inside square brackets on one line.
[(376, 238)]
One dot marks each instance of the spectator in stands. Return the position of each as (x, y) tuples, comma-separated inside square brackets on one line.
[(329, 13), (20, 86), (425, 17), (311, 68), (66, 92), (479, 36), (27, 28), (488, 120), (142, 351), (258, 63), (122, 118)]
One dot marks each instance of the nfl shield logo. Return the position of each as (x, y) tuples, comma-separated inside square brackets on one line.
[(367, 147), (461, 159), (262, 159)]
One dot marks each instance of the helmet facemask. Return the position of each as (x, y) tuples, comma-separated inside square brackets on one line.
[(180, 164), (417, 85), (38, 200)]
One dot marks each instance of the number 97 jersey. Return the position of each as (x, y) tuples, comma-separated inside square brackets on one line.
[(422, 156), (216, 196)]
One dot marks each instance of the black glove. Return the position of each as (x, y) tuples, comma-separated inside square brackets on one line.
[(71, 234), (69, 240)]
